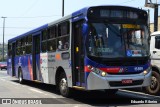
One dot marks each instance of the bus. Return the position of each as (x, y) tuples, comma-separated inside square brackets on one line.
[(94, 48), (154, 88)]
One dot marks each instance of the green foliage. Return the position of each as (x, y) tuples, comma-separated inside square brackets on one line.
[(5, 52)]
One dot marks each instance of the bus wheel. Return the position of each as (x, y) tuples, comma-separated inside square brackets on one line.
[(63, 86), (20, 76), (154, 88)]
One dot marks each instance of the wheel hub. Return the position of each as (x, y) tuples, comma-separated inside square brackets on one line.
[(63, 85), (20, 77), (153, 83)]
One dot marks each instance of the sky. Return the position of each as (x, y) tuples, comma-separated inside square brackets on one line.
[(25, 15)]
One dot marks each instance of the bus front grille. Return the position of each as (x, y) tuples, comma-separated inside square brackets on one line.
[(119, 83)]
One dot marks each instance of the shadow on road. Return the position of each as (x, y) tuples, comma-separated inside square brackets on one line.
[(94, 98)]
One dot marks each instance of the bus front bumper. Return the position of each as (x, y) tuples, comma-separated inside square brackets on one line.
[(96, 82)]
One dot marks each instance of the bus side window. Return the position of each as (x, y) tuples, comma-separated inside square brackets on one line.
[(51, 43), (44, 40), (28, 48), (23, 47), (52, 32), (63, 36), (63, 43), (18, 47), (9, 49)]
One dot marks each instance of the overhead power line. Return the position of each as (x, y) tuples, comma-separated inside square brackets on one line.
[(127, 1), (19, 27), (31, 6), (18, 17)]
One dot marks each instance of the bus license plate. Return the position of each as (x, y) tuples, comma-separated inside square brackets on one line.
[(127, 81)]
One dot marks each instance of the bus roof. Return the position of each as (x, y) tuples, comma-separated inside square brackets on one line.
[(29, 32), (80, 14), (155, 33)]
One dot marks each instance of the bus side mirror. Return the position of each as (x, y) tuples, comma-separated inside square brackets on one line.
[(84, 29)]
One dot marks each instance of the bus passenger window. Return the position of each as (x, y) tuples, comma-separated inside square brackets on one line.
[(63, 43), (44, 46), (51, 45), (44, 34), (63, 36), (66, 45), (60, 45), (9, 49), (63, 29), (28, 49), (52, 32), (30, 39)]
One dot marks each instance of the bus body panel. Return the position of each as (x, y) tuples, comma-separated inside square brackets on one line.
[(51, 68), (62, 59), (25, 63), (48, 63), (95, 81), (38, 71), (44, 67), (103, 82)]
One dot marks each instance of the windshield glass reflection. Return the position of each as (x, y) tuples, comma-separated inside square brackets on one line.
[(117, 40)]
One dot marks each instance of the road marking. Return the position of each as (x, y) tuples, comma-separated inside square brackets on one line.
[(2, 79), (35, 90), (45, 94), (139, 93), (5, 77), (13, 83)]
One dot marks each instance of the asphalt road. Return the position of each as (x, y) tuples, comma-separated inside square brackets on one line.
[(32, 93)]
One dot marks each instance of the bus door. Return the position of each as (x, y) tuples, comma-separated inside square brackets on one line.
[(13, 57), (36, 56), (77, 54)]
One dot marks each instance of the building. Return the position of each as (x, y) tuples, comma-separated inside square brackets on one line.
[(152, 25)]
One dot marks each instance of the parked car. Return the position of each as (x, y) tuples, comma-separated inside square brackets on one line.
[(3, 65)]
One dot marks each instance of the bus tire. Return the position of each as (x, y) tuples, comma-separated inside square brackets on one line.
[(63, 86), (154, 88), (20, 76)]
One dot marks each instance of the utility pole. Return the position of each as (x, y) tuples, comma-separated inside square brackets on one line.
[(155, 6), (62, 8), (155, 17), (3, 35)]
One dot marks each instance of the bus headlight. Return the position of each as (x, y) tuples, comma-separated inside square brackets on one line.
[(145, 72), (97, 71), (103, 74)]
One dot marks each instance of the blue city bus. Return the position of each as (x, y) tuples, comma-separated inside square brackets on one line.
[(95, 48)]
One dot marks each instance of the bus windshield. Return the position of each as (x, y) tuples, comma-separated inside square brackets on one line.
[(117, 40)]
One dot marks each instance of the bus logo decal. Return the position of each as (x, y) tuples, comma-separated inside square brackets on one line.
[(58, 56), (129, 53), (138, 68)]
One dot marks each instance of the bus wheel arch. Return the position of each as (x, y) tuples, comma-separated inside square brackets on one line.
[(61, 82), (58, 73), (154, 88), (20, 75)]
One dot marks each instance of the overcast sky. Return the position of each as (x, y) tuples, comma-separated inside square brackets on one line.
[(24, 15)]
